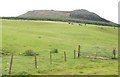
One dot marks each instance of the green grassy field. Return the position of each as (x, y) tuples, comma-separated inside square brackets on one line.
[(42, 36)]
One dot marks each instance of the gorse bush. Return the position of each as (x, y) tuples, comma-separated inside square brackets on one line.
[(30, 53), (54, 50)]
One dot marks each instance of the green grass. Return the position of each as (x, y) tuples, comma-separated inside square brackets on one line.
[(42, 36), (0, 46)]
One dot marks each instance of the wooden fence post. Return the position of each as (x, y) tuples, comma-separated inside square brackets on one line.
[(65, 57), (74, 54), (35, 61), (78, 51), (11, 61), (50, 57)]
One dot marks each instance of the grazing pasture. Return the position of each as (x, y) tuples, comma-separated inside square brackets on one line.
[(41, 37)]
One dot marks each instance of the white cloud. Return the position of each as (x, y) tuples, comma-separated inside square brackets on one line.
[(105, 8)]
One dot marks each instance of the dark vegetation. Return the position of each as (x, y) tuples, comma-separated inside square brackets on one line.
[(54, 50), (78, 16), (5, 52), (30, 53)]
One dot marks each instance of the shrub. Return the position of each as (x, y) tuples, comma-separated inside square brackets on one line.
[(54, 50), (4, 52), (101, 28), (30, 53)]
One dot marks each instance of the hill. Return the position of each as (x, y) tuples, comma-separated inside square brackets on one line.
[(81, 14), (46, 13), (86, 15), (78, 16)]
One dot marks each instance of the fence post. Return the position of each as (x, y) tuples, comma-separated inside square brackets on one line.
[(50, 57), (114, 53), (74, 54), (11, 61), (65, 57), (78, 51), (35, 61)]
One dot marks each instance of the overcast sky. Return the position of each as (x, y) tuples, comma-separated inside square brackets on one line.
[(107, 9)]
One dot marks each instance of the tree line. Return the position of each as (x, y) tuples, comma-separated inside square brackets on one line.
[(64, 20)]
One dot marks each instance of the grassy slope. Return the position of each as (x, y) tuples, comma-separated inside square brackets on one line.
[(0, 35), (19, 36)]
